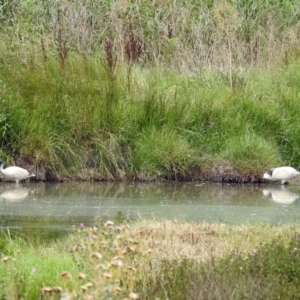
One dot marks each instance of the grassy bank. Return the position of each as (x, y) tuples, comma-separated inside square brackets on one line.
[(145, 91), (156, 260)]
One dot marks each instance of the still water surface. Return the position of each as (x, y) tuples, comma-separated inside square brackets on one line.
[(43, 210)]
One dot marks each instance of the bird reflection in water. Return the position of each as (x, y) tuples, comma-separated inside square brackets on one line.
[(15, 194), (282, 196)]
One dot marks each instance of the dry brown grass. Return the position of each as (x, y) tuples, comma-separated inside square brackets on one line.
[(169, 240), (190, 36)]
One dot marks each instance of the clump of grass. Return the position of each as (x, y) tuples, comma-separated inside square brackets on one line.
[(217, 261), (164, 152), (24, 268), (250, 152), (277, 260), (259, 276)]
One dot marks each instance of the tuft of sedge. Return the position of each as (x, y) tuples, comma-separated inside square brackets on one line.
[(103, 244), (83, 288), (120, 229), (119, 237), (47, 289), (132, 241), (57, 289), (116, 263), (133, 269), (96, 255), (118, 257), (66, 275), (92, 230), (102, 267), (133, 296), (89, 297), (86, 286), (127, 250), (109, 224), (107, 275), (117, 289), (81, 276)]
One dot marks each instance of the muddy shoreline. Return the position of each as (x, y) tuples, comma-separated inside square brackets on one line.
[(222, 173), (214, 174)]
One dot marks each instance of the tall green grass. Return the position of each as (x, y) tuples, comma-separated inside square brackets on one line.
[(25, 268), (121, 90), (79, 118)]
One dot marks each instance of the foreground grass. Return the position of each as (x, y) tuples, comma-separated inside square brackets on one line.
[(156, 260)]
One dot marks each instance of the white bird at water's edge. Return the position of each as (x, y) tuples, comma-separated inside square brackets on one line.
[(15, 173), (281, 173)]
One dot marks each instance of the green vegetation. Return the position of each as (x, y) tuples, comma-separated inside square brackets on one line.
[(257, 276), (155, 260), (149, 89)]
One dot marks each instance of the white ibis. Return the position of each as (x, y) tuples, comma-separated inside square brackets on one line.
[(281, 173), (15, 173)]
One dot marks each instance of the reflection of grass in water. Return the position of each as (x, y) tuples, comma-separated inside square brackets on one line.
[(37, 235), (44, 228)]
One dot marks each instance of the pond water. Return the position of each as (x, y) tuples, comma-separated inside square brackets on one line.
[(44, 211)]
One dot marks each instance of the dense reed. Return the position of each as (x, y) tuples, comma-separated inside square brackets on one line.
[(146, 90)]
